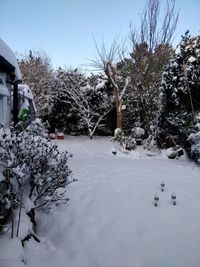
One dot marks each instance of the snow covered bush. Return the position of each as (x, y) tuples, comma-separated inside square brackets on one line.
[(180, 94), (129, 143), (5, 205), (194, 139), (150, 143), (119, 135), (33, 172), (145, 70), (80, 104), (62, 117), (174, 152), (138, 132), (126, 142)]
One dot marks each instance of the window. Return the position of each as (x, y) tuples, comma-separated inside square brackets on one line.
[(3, 89), (1, 81)]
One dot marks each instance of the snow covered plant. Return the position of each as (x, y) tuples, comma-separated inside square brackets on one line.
[(80, 103), (33, 173), (126, 142), (194, 139), (138, 132), (179, 93), (175, 152)]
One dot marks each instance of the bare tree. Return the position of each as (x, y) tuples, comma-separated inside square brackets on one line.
[(105, 61), (91, 104), (154, 29), (85, 111), (151, 50), (38, 74), (137, 76)]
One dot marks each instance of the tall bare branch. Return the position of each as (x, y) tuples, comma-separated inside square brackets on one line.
[(156, 27)]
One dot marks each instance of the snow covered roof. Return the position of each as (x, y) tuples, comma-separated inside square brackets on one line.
[(25, 90), (8, 55)]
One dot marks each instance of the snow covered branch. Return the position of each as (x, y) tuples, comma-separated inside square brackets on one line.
[(88, 100)]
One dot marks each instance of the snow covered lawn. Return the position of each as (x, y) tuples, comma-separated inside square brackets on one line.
[(111, 221)]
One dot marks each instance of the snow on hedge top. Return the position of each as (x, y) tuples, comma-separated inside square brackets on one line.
[(101, 85), (8, 54), (191, 59)]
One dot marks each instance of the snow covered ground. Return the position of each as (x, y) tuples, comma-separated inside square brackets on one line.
[(111, 221)]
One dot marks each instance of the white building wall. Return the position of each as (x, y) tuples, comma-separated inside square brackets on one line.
[(5, 103), (1, 109)]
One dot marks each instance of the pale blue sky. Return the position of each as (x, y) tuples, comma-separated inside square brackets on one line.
[(65, 28)]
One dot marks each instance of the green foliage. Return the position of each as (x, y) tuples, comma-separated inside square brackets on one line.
[(23, 114)]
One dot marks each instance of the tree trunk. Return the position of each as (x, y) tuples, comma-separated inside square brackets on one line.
[(90, 133), (111, 74), (119, 116), (118, 106), (20, 211), (31, 214)]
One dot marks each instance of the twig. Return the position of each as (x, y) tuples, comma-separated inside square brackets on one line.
[(20, 211)]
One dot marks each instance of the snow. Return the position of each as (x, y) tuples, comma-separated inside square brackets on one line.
[(25, 227), (25, 91), (8, 54), (138, 132), (25, 105), (101, 85), (117, 131), (28, 204), (111, 219), (12, 253), (191, 59), (123, 107)]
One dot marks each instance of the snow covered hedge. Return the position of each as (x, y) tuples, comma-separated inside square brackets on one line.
[(33, 172), (180, 94), (194, 139)]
